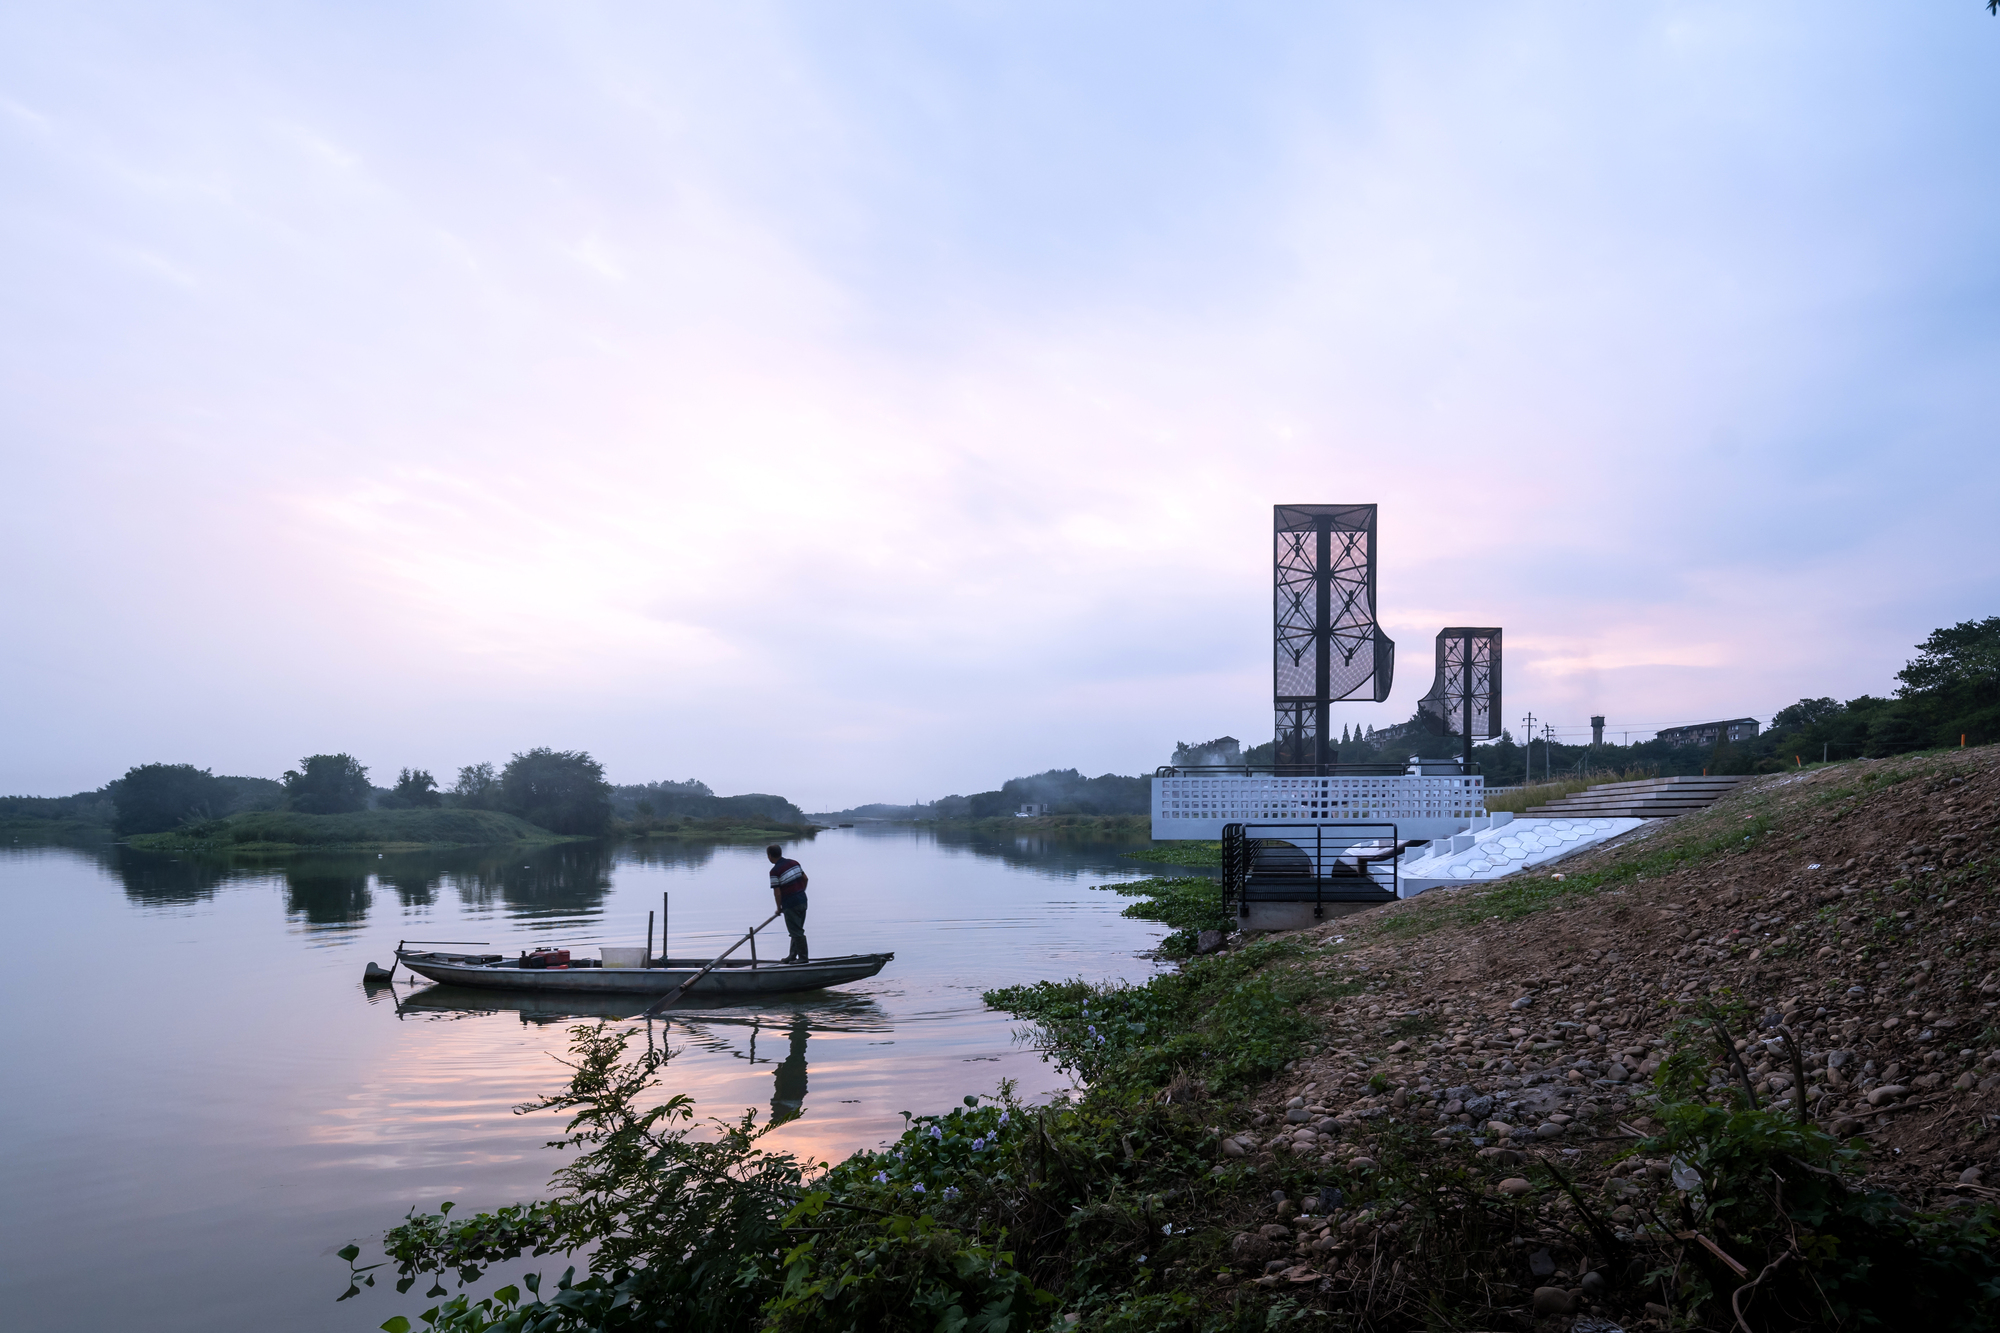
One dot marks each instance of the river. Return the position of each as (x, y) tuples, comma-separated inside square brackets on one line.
[(205, 1101)]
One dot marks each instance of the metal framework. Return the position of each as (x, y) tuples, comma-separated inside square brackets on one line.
[(1465, 698), (1316, 863), (1328, 645)]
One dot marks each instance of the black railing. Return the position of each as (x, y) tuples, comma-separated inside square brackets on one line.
[(1317, 863)]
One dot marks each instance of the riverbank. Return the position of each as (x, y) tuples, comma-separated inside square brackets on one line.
[(721, 829), (1747, 1061), (1108, 828), (361, 830)]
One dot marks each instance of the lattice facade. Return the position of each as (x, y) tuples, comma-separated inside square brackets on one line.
[(1328, 645), (1419, 806), (1465, 698)]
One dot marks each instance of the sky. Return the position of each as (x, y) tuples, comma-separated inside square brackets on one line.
[(874, 401)]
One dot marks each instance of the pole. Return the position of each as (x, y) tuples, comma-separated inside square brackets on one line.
[(1467, 667), (1322, 641), (649, 939), (673, 996), (1528, 750), (666, 903)]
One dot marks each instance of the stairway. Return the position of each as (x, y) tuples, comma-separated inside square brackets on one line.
[(1654, 798)]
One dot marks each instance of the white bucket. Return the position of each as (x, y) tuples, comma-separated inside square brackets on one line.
[(625, 957)]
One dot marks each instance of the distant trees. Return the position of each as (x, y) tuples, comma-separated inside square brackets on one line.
[(153, 798), (415, 787), (564, 791), (327, 784), (477, 788)]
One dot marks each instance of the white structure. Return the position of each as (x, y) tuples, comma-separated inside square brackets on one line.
[(1492, 848), (1421, 806)]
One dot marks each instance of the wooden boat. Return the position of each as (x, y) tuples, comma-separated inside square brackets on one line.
[(732, 977)]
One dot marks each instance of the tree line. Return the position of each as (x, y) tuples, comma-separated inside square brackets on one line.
[(1949, 694)]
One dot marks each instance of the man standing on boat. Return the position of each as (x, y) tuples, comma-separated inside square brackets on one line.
[(788, 891)]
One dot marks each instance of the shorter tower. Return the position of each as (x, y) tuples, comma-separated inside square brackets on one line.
[(1465, 698), (1597, 730)]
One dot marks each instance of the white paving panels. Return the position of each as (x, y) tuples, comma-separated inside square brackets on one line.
[(1494, 848)]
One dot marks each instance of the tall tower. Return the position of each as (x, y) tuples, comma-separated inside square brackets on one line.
[(1328, 645), (1597, 730), (1465, 698)]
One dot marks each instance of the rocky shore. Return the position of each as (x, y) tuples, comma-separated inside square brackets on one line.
[(1843, 916)]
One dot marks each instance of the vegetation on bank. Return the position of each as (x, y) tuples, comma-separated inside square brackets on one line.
[(1181, 854), (722, 828), (1169, 1194), (373, 830)]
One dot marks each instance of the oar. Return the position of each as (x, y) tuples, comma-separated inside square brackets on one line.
[(673, 997)]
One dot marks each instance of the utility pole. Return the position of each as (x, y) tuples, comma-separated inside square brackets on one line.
[(1528, 749), (1548, 752)]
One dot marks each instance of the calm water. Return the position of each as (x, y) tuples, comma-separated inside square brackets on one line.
[(204, 1102)]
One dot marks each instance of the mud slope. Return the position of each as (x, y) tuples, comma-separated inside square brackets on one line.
[(1854, 903)]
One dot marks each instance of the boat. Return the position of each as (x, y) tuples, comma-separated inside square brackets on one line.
[(732, 977)]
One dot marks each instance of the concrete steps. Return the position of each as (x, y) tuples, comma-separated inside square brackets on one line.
[(1653, 798)]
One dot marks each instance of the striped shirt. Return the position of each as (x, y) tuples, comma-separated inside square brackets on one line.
[(788, 877)]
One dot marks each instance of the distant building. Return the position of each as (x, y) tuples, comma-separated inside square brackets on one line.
[(1710, 733), (1597, 730), (1032, 809)]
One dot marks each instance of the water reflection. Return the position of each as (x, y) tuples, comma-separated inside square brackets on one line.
[(164, 881), (727, 1030)]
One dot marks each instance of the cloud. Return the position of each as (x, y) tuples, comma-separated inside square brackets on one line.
[(886, 407)]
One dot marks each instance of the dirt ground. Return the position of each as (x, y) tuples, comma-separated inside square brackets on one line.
[(1853, 905)]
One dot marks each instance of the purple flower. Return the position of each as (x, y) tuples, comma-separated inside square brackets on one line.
[(918, 1187), (951, 1191), (881, 1177), (979, 1145), (937, 1133), (1003, 1117)]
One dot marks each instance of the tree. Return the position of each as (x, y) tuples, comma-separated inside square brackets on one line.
[(564, 791), (477, 788), (1965, 656), (153, 798), (1806, 713), (415, 786), (327, 784)]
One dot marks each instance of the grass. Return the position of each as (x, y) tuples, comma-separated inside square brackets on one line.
[(285, 830), (1207, 854), (1190, 904), (1124, 828), (720, 829), (1514, 800), (52, 830)]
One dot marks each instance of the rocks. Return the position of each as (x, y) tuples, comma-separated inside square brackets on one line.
[(1360, 1164), (1554, 1301), (1209, 941), (1888, 1092), (1524, 1002), (1328, 1126), (1295, 1103), (1514, 1187), (1595, 1285), (1234, 1148), (1498, 1129), (1548, 1129), (1249, 1248), (1298, 1115), (1972, 1175), (1275, 1231), (1501, 1156), (1287, 1210)]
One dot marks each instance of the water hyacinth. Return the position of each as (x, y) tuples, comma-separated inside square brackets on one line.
[(979, 1145), (918, 1187), (881, 1177)]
